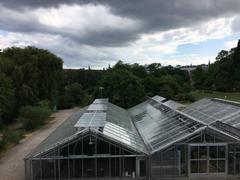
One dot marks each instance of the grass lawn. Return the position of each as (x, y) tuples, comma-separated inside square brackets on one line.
[(233, 96)]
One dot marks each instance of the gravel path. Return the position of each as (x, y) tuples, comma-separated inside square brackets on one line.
[(12, 163)]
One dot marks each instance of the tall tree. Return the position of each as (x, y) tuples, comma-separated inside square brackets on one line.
[(122, 87)]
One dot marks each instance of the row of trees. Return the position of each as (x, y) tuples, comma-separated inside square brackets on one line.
[(129, 84), (30, 76), (222, 75)]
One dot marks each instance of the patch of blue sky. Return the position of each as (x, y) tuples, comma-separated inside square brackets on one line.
[(3, 33), (206, 48)]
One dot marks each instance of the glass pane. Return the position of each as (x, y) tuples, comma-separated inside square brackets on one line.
[(36, 173), (221, 151), (231, 163), (194, 152), (202, 152), (221, 166), (213, 152), (202, 166), (48, 169), (213, 166), (237, 148), (194, 166), (89, 168), (142, 168), (102, 167), (64, 168)]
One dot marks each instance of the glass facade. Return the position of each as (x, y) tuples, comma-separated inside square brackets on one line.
[(88, 156), (151, 140)]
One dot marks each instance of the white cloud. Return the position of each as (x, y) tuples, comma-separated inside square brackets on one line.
[(231, 44), (82, 19), (157, 47)]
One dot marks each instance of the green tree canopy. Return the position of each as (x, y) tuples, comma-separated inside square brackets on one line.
[(6, 97), (122, 87)]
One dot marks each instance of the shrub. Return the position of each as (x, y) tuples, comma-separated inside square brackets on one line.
[(13, 136), (189, 97), (65, 102), (185, 97), (33, 116), (10, 137)]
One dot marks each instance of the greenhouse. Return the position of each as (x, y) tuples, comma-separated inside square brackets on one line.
[(156, 139)]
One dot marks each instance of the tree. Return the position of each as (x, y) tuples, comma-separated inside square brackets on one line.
[(26, 96), (199, 77), (6, 98), (221, 55), (76, 92), (122, 87), (153, 67)]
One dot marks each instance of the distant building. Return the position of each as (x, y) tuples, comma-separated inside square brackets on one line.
[(193, 67), (152, 140)]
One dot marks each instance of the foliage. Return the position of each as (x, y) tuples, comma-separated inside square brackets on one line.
[(233, 96), (87, 78), (36, 74), (33, 116), (6, 97), (223, 75), (76, 91), (65, 102), (122, 87), (185, 97), (10, 137), (199, 76)]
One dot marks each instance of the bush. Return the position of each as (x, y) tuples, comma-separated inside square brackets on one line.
[(65, 102), (185, 97), (189, 97), (33, 116), (10, 137)]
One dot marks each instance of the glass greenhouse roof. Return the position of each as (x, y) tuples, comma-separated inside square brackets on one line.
[(97, 107), (160, 125), (100, 101), (211, 110), (96, 119), (124, 136), (173, 104), (150, 126), (158, 98)]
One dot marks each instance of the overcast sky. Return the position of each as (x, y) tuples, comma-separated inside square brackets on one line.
[(98, 33)]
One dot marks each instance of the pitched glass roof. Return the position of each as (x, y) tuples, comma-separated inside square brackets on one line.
[(150, 126), (160, 125), (158, 98), (100, 101), (120, 127), (173, 104), (115, 122), (95, 119), (97, 107), (212, 110)]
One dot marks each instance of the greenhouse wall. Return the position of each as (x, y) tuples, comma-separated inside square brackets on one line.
[(87, 157)]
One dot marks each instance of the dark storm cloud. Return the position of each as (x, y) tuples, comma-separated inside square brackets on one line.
[(154, 15), (168, 14)]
